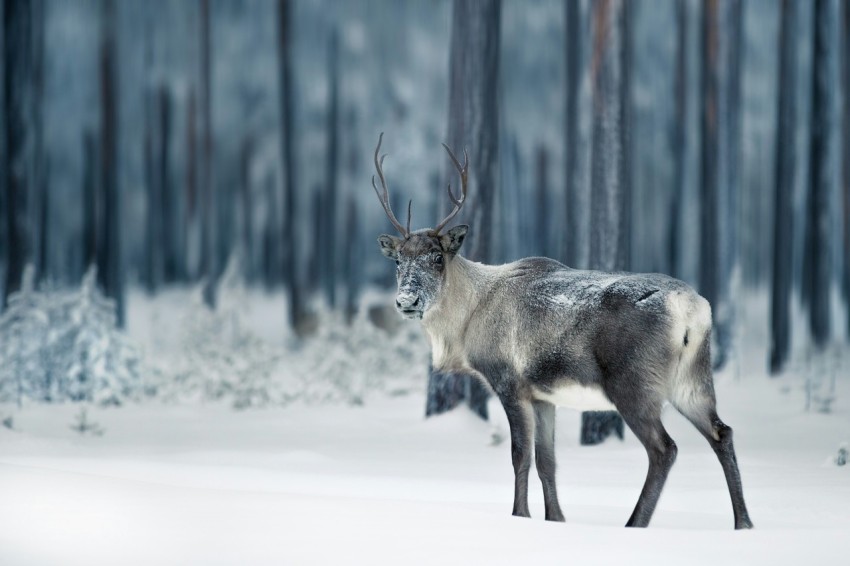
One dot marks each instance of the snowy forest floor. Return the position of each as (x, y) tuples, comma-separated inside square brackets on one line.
[(332, 483)]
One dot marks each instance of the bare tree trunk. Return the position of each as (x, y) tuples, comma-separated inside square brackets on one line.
[(845, 29), (91, 201), (817, 272), (191, 221), (783, 221), (17, 100), (576, 212), (679, 138), (542, 211), (110, 270), (38, 161), (328, 253), (473, 124), (168, 198), (208, 197), (474, 112), (287, 135), (720, 128), (610, 186), (152, 270), (352, 270), (247, 205)]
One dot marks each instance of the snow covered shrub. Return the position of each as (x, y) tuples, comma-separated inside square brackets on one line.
[(218, 356), (65, 346), (345, 363)]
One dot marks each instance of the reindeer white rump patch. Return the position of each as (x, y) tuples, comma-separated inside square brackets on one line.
[(690, 316), (578, 397)]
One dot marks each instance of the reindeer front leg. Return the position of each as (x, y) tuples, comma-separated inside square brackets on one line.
[(521, 419)]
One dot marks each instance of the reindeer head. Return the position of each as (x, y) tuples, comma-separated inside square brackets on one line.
[(422, 256)]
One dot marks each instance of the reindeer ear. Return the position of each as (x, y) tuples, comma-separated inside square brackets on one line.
[(389, 245), (453, 239)]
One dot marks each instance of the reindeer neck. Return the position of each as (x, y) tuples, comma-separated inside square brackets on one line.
[(465, 284)]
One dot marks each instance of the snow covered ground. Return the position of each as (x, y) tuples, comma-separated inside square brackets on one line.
[(363, 478), (329, 484)]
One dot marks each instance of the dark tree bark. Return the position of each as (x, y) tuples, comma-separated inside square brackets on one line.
[(207, 192), (167, 197), (287, 135), (191, 220), (352, 265), (316, 264), (719, 178), (18, 132), (45, 222), (817, 272), (575, 236), (328, 253), (110, 269), (845, 28), (474, 113), (610, 187), (152, 272), (474, 124), (91, 201), (783, 220), (679, 137), (39, 157), (246, 235), (542, 211)]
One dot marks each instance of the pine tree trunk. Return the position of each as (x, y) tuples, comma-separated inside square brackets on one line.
[(679, 141), (192, 223), (353, 273), (473, 124), (328, 253), (542, 211), (719, 179), (207, 192), (610, 187), (38, 161), (577, 205), (17, 102), (110, 269), (91, 203), (783, 223), (246, 205), (287, 134), (153, 256), (167, 197), (845, 34), (818, 273)]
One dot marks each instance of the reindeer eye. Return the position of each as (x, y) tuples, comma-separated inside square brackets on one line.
[(438, 259), (397, 262)]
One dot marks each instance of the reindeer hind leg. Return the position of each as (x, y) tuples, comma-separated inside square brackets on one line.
[(697, 402)]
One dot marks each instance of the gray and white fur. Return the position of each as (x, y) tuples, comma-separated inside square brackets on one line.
[(541, 335)]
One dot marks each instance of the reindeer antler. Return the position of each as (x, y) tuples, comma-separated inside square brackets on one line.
[(463, 170), (385, 198)]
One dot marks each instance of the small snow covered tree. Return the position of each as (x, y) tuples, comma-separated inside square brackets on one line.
[(65, 346), (100, 364), (23, 326), (219, 356)]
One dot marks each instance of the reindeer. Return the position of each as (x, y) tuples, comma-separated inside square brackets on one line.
[(541, 335)]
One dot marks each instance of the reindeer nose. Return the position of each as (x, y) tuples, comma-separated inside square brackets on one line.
[(406, 301)]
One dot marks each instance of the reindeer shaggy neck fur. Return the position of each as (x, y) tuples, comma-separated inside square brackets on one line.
[(541, 335)]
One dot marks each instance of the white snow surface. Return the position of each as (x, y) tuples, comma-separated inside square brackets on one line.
[(332, 483)]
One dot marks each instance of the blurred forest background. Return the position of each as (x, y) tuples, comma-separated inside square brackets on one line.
[(162, 140)]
